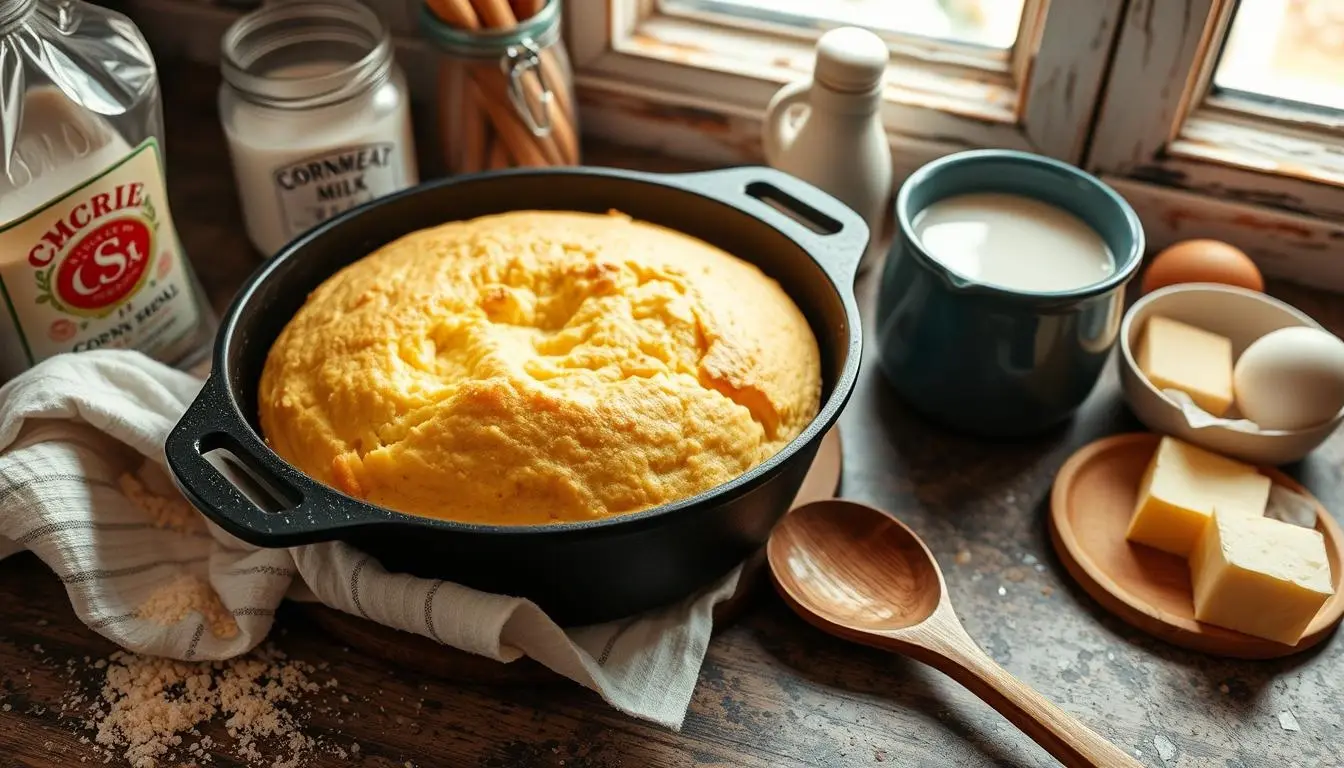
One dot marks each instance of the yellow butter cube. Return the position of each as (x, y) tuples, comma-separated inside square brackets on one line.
[(1260, 576), (1174, 355), (1180, 489)]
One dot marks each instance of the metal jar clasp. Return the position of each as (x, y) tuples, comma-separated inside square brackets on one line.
[(518, 61)]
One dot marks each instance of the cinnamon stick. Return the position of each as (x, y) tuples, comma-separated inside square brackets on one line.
[(562, 126), (562, 111), (499, 156), (561, 147), (526, 9), (507, 120), (495, 13), (459, 13), (550, 69), (509, 128), (473, 131), (444, 89)]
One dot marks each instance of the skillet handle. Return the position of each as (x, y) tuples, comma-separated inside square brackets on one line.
[(250, 493), (835, 234)]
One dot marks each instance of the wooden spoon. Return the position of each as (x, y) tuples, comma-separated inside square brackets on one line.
[(858, 573)]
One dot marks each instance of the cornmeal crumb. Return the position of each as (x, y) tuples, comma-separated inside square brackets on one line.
[(172, 514), (186, 594), (149, 709)]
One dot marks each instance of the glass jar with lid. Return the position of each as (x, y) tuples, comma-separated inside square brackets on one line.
[(505, 85), (316, 113), (89, 256)]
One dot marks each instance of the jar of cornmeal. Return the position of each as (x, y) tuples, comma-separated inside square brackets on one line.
[(317, 115)]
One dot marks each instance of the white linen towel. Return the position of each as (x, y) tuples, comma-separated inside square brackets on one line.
[(83, 485)]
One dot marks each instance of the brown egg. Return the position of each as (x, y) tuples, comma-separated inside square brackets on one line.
[(1202, 261)]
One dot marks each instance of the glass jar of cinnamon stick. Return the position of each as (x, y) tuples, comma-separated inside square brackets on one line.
[(506, 89)]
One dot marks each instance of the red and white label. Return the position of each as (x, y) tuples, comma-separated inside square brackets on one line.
[(105, 266), (101, 268)]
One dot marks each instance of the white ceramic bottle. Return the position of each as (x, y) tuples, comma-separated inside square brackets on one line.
[(827, 130)]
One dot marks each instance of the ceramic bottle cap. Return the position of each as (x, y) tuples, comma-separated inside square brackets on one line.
[(850, 59)]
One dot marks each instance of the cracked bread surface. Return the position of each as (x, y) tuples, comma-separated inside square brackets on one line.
[(536, 367)]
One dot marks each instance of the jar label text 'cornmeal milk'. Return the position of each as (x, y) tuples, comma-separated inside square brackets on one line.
[(99, 267), (315, 189)]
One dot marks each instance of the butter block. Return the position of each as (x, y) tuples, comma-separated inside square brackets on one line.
[(1260, 576), (1174, 355), (1181, 488)]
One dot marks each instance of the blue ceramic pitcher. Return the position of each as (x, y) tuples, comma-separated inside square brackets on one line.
[(991, 360)]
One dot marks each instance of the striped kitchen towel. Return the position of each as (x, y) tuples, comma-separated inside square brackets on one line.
[(83, 485)]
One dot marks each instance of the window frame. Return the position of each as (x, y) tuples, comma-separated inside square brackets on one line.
[(653, 78), (1195, 163)]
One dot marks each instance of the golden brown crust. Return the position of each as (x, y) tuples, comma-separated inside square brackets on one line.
[(534, 367)]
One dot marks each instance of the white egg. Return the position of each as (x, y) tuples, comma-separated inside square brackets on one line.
[(1291, 378)]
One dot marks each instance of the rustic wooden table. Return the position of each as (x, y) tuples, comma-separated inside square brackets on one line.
[(773, 692)]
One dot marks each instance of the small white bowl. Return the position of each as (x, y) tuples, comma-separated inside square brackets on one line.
[(1242, 316)]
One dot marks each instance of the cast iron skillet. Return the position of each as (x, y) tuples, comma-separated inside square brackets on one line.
[(577, 572)]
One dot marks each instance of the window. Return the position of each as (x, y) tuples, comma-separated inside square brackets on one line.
[(1215, 118), (693, 76), (1287, 52), (1230, 125), (988, 24)]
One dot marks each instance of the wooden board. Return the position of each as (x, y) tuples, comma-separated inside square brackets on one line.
[(426, 656), (1090, 507)]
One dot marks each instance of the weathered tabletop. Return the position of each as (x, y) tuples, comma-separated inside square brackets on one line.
[(774, 692)]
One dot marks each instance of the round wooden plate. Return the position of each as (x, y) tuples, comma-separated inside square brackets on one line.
[(1090, 507), (428, 657)]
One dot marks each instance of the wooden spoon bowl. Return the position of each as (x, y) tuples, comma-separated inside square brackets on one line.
[(827, 551), (860, 574)]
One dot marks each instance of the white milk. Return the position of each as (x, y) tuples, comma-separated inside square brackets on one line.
[(1013, 242), (296, 168)]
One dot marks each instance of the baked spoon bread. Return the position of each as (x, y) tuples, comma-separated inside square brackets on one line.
[(537, 367)]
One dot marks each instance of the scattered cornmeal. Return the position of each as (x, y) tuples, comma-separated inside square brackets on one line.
[(1180, 489), (149, 708), (172, 514), (1260, 576), (1174, 355), (186, 594)]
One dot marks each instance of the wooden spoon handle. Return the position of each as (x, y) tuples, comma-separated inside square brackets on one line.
[(1059, 733)]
